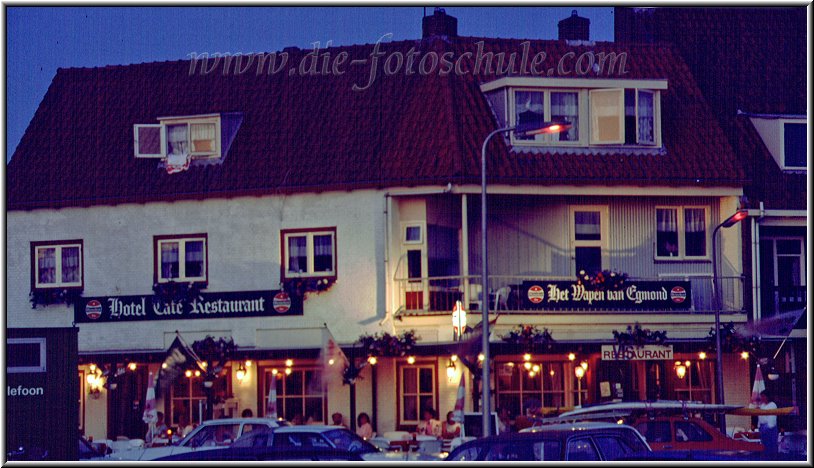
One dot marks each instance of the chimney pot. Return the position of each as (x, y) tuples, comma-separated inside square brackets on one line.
[(574, 28), (439, 24)]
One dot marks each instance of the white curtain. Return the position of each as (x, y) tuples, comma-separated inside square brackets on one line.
[(323, 245), (169, 260), (529, 101), (46, 265), (666, 220), (694, 220), (646, 117), (564, 106), (297, 255), (70, 264), (203, 137), (177, 139)]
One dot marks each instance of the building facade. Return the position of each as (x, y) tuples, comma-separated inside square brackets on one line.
[(189, 198)]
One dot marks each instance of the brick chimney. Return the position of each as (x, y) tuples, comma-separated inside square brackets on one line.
[(439, 24), (574, 28)]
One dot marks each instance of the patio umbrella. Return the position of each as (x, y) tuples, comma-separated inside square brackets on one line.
[(758, 386), (458, 413), (150, 415), (271, 406)]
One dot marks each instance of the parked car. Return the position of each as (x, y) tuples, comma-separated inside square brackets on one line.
[(88, 450), (210, 435), (299, 438), (558, 442), (267, 454), (679, 433)]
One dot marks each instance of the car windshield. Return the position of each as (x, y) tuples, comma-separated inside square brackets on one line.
[(343, 439)]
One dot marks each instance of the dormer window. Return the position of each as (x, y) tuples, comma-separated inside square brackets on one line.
[(198, 137), (785, 138), (537, 106)]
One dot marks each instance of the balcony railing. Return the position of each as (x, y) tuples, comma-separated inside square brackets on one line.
[(437, 295)]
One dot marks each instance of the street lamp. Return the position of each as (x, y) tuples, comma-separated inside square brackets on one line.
[(524, 129), (739, 216)]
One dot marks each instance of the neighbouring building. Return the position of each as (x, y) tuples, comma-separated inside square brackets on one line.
[(750, 64), (276, 209)]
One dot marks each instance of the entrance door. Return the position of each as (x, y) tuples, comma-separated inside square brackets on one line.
[(126, 405)]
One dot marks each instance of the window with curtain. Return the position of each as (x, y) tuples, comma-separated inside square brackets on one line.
[(309, 253), (181, 258), (203, 137), (177, 139), (529, 109), (681, 232), (565, 107), (645, 117), (57, 265), (587, 239)]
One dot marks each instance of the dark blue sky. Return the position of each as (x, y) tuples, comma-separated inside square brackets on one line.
[(42, 39)]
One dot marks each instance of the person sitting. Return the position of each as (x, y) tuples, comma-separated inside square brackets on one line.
[(451, 428), (429, 425), (504, 420), (337, 420), (247, 413), (363, 427)]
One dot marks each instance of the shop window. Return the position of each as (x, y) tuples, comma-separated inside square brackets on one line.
[(56, 264), (300, 394), (417, 392), (187, 396), (309, 253), (181, 258), (696, 385), (518, 386), (681, 232)]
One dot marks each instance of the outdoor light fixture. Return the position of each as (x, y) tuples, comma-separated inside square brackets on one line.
[(208, 383), (702, 355), (745, 355), (571, 356), (163, 365), (535, 368), (241, 373), (454, 358), (579, 371), (248, 362), (527, 365), (450, 370), (274, 371), (532, 374), (681, 370), (411, 360), (372, 360), (289, 362), (92, 367), (188, 373), (287, 371), (739, 215), (204, 364), (773, 375), (481, 357), (584, 365), (551, 372), (331, 361), (132, 366), (527, 357), (197, 373), (524, 129)]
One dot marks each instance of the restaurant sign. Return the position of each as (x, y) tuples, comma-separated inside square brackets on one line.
[(208, 305), (637, 353), (636, 295)]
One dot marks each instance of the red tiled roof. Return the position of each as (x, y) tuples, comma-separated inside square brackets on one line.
[(314, 133)]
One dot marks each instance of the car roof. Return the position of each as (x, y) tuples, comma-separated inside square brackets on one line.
[(579, 426), (265, 421), (308, 428)]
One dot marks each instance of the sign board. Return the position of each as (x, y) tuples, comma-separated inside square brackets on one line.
[(637, 353), (633, 295), (209, 305)]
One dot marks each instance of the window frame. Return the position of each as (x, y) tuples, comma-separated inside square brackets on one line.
[(182, 239), (58, 245), (165, 122), (549, 139), (604, 229), (656, 118), (162, 141), (268, 376), (433, 366), (620, 115), (681, 227), (783, 123), (42, 367), (523, 393), (422, 229), (309, 234), (170, 396)]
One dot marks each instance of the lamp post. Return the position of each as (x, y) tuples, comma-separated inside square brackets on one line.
[(522, 129), (739, 216)]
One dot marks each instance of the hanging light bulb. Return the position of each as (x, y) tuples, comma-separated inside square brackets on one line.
[(702, 355), (372, 360), (197, 373), (287, 371), (745, 355), (527, 365), (331, 361), (584, 365), (571, 356), (411, 360), (241, 373), (248, 363), (535, 368), (188, 373), (481, 357), (454, 358), (551, 372), (163, 365), (289, 362), (450, 370), (579, 372), (132, 366), (527, 357), (274, 371), (681, 371), (532, 374)]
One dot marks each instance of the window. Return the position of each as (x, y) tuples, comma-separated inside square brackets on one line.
[(687, 431), (196, 136), (783, 274), (309, 253), (25, 355), (468, 454), (607, 125), (547, 450), (697, 382), (581, 450), (534, 107), (418, 392), (57, 264), (611, 447), (517, 386), (214, 436), (299, 394), (655, 431), (413, 234), (187, 397), (794, 145), (181, 258), (681, 232), (589, 238)]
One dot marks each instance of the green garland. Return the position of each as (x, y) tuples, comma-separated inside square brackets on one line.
[(529, 336)]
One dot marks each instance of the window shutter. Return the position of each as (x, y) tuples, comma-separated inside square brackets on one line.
[(149, 141), (607, 116)]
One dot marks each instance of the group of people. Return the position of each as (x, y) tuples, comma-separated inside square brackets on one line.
[(431, 426), (159, 430)]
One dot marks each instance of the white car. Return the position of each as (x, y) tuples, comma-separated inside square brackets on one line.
[(213, 434)]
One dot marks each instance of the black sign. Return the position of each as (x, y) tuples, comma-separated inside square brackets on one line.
[(209, 305), (637, 295)]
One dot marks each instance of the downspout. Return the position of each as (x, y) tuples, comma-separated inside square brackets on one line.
[(756, 279)]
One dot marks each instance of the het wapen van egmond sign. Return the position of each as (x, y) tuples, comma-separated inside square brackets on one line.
[(210, 305), (633, 295)]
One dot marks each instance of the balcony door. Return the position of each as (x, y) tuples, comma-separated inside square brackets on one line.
[(783, 275), (414, 255), (588, 226)]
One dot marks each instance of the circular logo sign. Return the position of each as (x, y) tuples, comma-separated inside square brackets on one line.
[(93, 309), (281, 302), (536, 294), (678, 294)]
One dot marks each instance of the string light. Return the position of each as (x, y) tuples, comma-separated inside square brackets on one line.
[(287, 371), (702, 355), (248, 363), (527, 357), (274, 371), (571, 356), (372, 360), (535, 368), (197, 373), (481, 357), (289, 362), (132, 366), (188, 373), (527, 365), (411, 360)]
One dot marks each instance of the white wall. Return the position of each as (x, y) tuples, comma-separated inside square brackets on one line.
[(244, 255)]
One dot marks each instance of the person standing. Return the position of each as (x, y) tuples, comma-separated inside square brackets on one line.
[(767, 425)]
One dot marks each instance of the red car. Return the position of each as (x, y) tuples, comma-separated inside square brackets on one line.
[(679, 433)]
